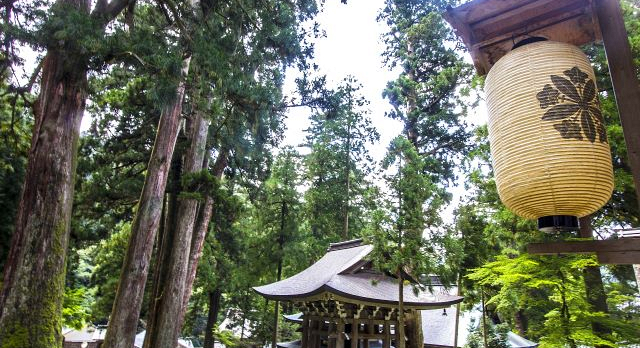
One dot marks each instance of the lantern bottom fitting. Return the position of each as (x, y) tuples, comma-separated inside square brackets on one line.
[(558, 223)]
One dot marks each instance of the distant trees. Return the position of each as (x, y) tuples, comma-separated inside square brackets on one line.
[(339, 166)]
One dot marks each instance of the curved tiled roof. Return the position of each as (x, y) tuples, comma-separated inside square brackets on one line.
[(337, 273)]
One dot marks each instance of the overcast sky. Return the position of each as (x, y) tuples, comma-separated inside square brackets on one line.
[(352, 46)]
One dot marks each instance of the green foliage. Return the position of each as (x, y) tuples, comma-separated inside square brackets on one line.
[(338, 165), (405, 231), (109, 256), (75, 308), (15, 135), (555, 286), (427, 96), (496, 337)]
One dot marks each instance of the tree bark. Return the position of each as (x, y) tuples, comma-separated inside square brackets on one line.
[(31, 299), (126, 308), (521, 321), (200, 233), (276, 314), (164, 246), (415, 336), (164, 328), (596, 295), (401, 321), (212, 317)]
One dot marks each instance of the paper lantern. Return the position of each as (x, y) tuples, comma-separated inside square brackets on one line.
[(548, 140)]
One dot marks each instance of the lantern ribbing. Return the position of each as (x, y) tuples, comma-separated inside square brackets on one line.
[(548, 141)]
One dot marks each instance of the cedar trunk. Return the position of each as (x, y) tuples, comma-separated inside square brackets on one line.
[(212, 317), (200, 233), (164, 328), (596, 295), (415, 336), (164, 243), (126, 308), (31, 299)]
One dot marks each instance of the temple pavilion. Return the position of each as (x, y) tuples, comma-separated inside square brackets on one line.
[(345, 302)]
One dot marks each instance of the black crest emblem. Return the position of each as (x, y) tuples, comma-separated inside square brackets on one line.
[(573, 103)]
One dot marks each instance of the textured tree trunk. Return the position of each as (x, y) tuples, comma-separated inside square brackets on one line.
[(200, 232), (212, 317), (521, 322), (276, 314), (345, 229), (401, 321), (164, 245), (31, 299), (126, 308), (415, 337), (164, 327), (596, 296)]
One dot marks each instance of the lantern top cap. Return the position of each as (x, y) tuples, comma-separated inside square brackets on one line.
[(490, 28)]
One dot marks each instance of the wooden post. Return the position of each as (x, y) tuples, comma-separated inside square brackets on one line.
[(305, 331), (623, 78), (386, 343), (365, 342), (355, 330), (340, 333)]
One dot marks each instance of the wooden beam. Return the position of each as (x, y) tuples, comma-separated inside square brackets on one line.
[(623, 77), (586, 247), (619, 258)]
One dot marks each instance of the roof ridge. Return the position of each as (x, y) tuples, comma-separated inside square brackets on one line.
[(345, 244)]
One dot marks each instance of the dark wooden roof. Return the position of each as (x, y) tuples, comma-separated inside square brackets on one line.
[(339, 272), (490, 28)]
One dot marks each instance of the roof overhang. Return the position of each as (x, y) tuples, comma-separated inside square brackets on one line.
[(327, 293), (490, 28)]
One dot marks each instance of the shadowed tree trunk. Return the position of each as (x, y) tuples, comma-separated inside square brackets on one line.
[(212, 317), (596, 296), (276, 314), (164, 327), (201, 230), (415, 337), (126, 308), (164, 244), (33, 287)]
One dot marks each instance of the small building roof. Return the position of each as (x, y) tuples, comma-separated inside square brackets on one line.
[(342, 272), (490, 28)]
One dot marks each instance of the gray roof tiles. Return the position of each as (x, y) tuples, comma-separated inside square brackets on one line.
[(335, 273)]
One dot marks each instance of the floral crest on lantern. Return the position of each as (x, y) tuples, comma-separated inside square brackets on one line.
[(574, 102)]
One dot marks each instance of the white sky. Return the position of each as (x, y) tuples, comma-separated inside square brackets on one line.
[(352, 46)]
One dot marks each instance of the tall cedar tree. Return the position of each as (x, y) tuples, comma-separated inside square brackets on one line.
[(337, 165), (256, 66), (426, 99), (36, 263)]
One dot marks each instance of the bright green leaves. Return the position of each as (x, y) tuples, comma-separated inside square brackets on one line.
[(338, 164)]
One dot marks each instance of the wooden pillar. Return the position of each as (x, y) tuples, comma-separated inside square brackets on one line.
[(305, 331), (355, 331), (365, 342), (386, 342), (332, 334), (623, 78), (315, 334), (340, 332)]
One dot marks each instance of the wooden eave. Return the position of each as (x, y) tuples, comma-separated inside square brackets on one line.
[(490, 28)]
